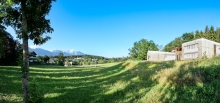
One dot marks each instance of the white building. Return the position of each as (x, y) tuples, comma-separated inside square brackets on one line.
[(190, 50), (199, 48), (160, 56)]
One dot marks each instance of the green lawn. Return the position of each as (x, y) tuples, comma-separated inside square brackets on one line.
[(118, 82), (105, 83)]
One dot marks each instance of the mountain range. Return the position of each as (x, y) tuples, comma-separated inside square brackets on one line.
[(43, 52)]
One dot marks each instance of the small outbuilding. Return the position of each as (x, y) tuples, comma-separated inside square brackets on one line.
[(160, 56)]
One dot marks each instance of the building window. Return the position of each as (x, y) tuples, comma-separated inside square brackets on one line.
[(193, 46)]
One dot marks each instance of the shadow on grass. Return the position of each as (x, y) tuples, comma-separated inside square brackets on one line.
[(116, 83), (10, 84), (123, 82)]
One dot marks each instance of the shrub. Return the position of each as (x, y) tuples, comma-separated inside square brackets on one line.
[(170, 64)]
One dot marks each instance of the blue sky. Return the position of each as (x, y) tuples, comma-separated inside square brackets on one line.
[(110, 27)]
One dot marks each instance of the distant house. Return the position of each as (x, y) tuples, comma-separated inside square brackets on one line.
[(199, 48), (32, 56)]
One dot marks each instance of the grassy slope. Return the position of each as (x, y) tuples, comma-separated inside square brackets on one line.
[(182, 81)]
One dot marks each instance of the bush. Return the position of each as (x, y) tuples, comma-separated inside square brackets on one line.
[(170, 64)]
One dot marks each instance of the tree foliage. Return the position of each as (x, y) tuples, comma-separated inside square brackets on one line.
[(10, 49), (40, 59), (61, 59), (140, 49), (3, 33), (35, 13), (177, 42), (46, 59)]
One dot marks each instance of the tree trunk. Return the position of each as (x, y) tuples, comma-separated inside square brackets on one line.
[(25, 67), (25, 71)]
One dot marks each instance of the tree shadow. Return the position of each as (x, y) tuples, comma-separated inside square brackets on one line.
[(10, 84), (112, 84), (122, 82)]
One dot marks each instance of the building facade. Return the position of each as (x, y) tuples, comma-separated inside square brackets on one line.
[(190, 50), (160, 56), (199, 48)]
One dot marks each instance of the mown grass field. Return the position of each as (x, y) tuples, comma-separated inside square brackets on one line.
[(196, 81)]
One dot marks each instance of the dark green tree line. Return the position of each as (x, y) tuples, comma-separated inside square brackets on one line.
[(10, 48)]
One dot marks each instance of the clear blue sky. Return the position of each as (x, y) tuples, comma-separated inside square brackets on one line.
[(110, 27)]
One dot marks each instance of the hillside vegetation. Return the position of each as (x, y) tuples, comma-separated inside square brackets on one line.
[(196, 81)]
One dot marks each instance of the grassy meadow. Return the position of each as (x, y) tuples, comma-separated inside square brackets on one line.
[(196, 81)]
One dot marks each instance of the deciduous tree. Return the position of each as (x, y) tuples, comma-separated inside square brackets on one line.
[(46, 59), (61, 59), (9, 49), (140, 49), (27, 18)]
